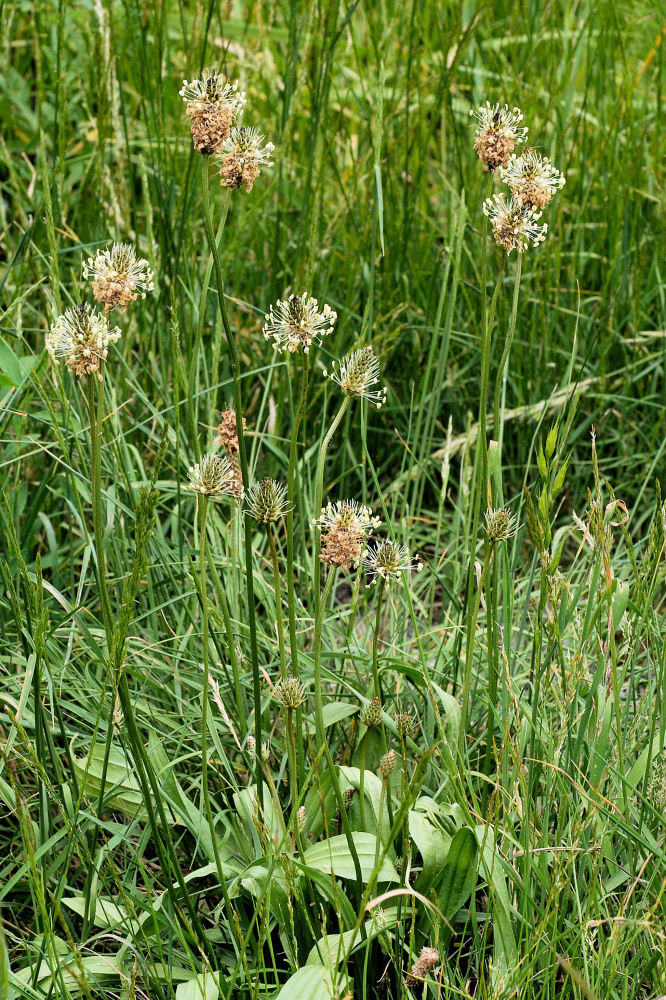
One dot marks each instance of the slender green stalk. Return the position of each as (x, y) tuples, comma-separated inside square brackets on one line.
[(498, 426), (318, 693), (375, 640), (242, 458), (201, 317), (203, 594), (291, 473), (95, 415), (293, 769), (150, 788), (375, 654), (469, 652), (278, 600)]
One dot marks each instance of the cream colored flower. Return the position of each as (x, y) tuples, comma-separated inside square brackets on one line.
[(295, 322), (81, 337), (514, 225), (118, 276), (243, 154), (357, 373), (214, 106), (532, 178), (213, 476), (497, 134)]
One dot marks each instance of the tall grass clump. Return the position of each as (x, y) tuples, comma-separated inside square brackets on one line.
[(332, 532)]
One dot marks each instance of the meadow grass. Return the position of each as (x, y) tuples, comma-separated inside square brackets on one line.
[(229, 768)]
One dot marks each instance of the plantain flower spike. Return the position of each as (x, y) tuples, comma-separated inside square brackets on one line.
[(497, 133), (356, 375), (345, 526), (296, 322), (81, 337), (532, 178), (514, 225), (388, 560), (213, 106), (267, 501), (118, 276), (243, 154), (213, 476)]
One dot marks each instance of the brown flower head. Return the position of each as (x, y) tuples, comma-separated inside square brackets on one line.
[(387, 764), (532, 178), (497, 134), (514, 225), (227, 432), (213, 105), (345, 526), (243, 154), (428, 958)]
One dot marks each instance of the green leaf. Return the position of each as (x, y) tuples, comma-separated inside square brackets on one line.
[(504, 942), (372, 791), (5, 990), (313, 982), (122, 790), (433, 845), (334, 712), (460, 873), (186, 811), (202, 986), (333, 856), (107, 913), (10, 365)]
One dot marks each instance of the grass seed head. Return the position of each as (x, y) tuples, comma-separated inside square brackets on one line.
[(295, 322), (497, 133), (81, 337)]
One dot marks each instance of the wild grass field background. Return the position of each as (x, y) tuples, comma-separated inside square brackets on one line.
[(522, 831)]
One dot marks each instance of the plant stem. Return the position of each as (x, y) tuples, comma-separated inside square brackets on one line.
[(150, 788), (242, 458), (278, 600), (469, 651), (498, 428), (291, 472), (201, 317), (375, 654), (319, 712)]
